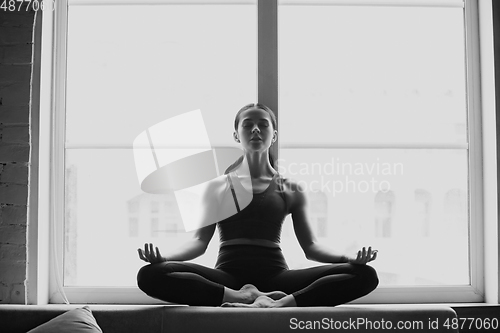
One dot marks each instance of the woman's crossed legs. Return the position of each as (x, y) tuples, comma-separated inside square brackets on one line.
[(193, 284)]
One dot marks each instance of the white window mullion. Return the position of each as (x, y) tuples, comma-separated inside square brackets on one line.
[(37, 282), (489, 237), (58, 155), (475, 200)]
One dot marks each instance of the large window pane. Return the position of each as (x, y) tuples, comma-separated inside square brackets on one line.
[(129, 68), (411, 205), (379, 77), (372, 75), (108, 216)]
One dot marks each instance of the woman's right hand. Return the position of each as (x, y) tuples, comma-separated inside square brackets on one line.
[(364, 256), (151, 255)]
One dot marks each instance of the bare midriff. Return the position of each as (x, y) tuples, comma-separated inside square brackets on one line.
[(249, 241)]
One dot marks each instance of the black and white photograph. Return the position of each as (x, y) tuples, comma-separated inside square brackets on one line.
[(249, 166)]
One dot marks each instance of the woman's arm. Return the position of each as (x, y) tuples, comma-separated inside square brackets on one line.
[(195, 247), (190, 250), (199, 243), (314, 250)]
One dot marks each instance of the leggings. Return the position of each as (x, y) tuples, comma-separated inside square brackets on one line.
[(265, 268)]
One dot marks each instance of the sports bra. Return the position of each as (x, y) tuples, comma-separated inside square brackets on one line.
[(261, 221)]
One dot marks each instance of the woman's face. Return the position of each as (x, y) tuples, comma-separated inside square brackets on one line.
[(255, 130)]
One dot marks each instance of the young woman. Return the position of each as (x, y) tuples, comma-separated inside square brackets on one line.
[(251, 270)]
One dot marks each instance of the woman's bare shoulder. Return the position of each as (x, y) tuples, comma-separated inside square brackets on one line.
[(291, 185), (217, 185), (294, 192)]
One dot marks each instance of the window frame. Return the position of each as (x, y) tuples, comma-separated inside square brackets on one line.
[(482, 184)]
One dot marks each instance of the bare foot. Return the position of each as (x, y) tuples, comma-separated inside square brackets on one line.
[(248, 294), (275, 295), (260, 302)]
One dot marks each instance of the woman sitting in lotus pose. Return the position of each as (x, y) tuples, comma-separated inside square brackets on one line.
[(251, 270)]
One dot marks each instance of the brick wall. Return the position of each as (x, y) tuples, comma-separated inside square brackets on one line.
[(16, 31)]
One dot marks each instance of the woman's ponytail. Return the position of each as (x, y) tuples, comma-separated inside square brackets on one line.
[(271, 159), (234, 166)]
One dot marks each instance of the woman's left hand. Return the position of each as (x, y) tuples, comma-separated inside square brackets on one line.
[(364, 256)]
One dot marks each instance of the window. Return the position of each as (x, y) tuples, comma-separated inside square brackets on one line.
[(383, 213), (134, 66), (133, 227), (133, 206), (155, 227), (376, 123), (171, 229), (423, 212), (155, 207)]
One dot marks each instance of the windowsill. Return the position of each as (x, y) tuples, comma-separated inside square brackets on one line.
[(134, 306)]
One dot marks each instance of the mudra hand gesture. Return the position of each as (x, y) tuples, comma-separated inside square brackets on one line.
[(151, 255), (364, 256)]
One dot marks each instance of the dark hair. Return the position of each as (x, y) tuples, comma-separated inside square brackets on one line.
[(237, 121)]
